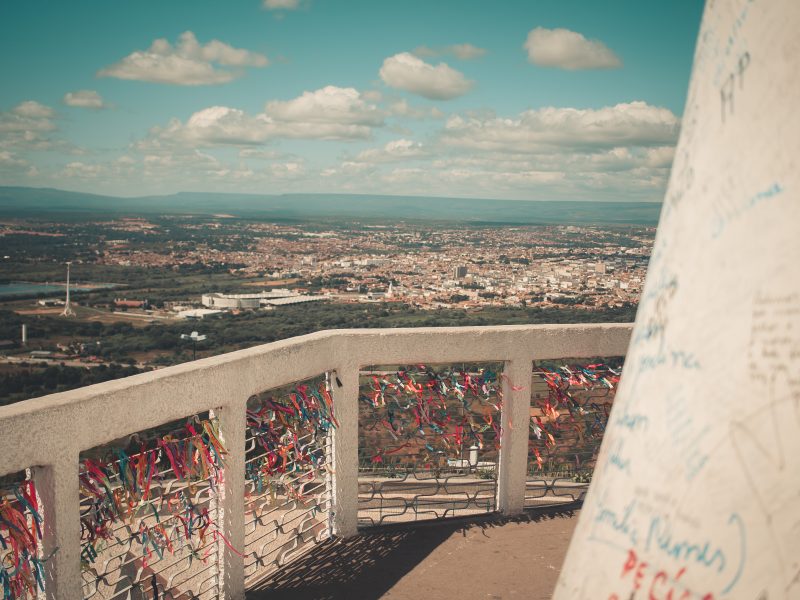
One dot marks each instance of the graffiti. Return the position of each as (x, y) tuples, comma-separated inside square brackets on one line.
[(658, 584)]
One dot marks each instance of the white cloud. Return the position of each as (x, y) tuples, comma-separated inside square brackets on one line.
[(213, 126), (186, 63), (620, 152), (466, 51), (460, 51), (82, 170), (26, 126), (281, 4), (396, 150), (27, 118), (8, 159), (164, 168), (406, 175), (407, 72), (622, 172), (328, 105), (426, 52), (30, 109), (497, 179), (660, 157), (16, 169), (191, 160), (84, 99), (349, 174), (565, 49), (222, 125), (287, 170), (125, 161), (401, 108), (372, 95), (260, 154), (614, 160), (634, 123), (330, 113)]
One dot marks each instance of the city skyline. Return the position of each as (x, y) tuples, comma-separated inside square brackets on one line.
[(521, 102)]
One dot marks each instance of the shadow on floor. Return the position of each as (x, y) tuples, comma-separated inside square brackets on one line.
[(368, 565)]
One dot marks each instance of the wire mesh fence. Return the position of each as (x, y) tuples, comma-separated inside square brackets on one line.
[(149, 514), (288, 474), (428, 442), (570, 404)]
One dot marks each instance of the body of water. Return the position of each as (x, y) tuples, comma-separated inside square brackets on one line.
[(22, 289)]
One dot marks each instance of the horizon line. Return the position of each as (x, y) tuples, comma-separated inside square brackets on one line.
[(283, 194)]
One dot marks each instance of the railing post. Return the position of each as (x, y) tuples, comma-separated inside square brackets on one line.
[(344, 383), (58, 488), (514, 440), (232, 426)]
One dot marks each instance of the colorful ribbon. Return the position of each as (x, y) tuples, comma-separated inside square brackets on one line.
[(21, 568), (119, 492)]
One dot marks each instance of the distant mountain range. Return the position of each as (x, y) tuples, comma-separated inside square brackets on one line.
[(40, 202)]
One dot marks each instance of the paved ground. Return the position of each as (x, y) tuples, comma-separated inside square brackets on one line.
[(466, 559)]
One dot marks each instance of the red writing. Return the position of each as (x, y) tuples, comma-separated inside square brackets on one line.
[(658, 584)]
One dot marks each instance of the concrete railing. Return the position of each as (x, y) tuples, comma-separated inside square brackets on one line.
[(47, 434)]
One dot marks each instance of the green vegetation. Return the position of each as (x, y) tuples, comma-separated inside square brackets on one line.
[(120, 343), (31, 381), (229, 332)]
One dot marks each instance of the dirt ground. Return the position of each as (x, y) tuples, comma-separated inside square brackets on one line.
[(85, 313), (489, 558)]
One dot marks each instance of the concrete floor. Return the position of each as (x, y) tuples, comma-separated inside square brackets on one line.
[(489, 558)]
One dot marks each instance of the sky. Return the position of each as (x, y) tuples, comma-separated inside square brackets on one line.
[(527, 99)]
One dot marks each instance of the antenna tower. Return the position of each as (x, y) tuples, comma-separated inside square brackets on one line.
[(68, 312)]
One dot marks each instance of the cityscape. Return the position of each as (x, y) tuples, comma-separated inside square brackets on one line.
[(368, 300), (429, 267), (137, 277)]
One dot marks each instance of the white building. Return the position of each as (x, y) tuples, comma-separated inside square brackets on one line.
[(230, 301)]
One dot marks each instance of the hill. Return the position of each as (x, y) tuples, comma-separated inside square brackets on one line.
[(22, 201)]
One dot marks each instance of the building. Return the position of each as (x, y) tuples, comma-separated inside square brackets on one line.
[(198, 313), (460, 272), (230, 301), (125, 303)]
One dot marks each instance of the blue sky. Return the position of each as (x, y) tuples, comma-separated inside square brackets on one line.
[(519, 100)]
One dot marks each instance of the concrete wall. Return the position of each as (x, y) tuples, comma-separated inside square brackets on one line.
[(48, 433), (696, 493)]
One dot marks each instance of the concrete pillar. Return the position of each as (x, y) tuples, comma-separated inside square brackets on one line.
[(345, 451), (232, 427), (58, 489), (514, 441)]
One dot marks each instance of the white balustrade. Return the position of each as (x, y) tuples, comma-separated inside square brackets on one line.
[(47, 434)]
